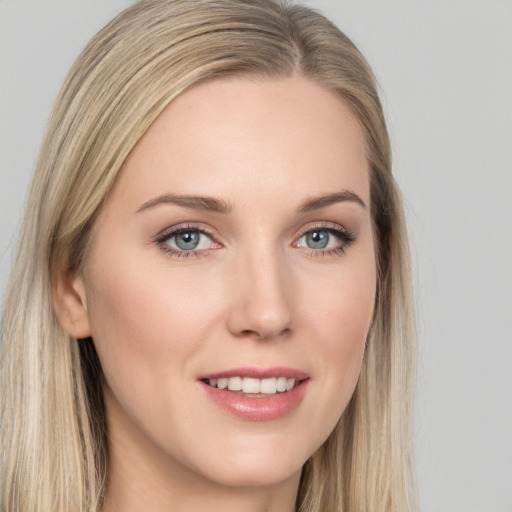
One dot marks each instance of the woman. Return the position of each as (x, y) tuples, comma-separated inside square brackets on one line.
[(213, 276)]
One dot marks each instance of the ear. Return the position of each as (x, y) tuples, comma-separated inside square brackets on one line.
[(71, 305)]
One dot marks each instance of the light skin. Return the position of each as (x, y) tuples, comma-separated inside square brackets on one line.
[(283, 275)]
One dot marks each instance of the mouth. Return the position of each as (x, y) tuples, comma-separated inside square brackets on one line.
[(256, 394), (253, 387)]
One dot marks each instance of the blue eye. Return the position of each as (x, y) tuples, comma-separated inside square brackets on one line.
[(317, 239), (185, 241), (325, 240)]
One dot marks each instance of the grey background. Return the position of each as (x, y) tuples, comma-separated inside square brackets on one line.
[(445, 68)]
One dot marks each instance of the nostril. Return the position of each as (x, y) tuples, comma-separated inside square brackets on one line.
[(265, 334)]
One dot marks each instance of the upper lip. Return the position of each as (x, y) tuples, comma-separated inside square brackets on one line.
[(258, 373)]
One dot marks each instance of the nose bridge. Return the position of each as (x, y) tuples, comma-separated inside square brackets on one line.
[(262, 297)]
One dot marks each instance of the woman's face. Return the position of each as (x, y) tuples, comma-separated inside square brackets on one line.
[(234, 250)]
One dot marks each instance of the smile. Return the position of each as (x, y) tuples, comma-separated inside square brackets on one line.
[(253, 386), (257, 394)]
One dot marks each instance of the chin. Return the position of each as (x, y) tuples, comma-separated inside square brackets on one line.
[(258, 474), (254, 462)]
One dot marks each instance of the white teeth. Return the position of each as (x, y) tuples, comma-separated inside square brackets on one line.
[(269, 386), (252, 386), (281, 384), (235, 384)]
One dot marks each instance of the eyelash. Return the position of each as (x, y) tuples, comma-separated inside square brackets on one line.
[(346, 237), (177, 230)]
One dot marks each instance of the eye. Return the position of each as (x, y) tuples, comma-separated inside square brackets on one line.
[(318, 239), (325, 240), (186, 241)]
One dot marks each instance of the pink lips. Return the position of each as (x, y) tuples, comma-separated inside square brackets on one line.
[(257, 408), (259, 373)]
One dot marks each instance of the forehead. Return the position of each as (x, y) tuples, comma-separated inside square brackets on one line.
[(246, 136)]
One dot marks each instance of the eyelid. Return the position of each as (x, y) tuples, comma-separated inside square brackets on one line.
[(169, 232), (326, 226), (321, 225), (346, 236), (182, 228)]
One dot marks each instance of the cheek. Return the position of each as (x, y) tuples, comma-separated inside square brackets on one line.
[(342, 321), (344, 336), (139, 322), (142, 308), (344, 305)]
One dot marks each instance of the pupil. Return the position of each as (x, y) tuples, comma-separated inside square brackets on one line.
[(188, 240), (317, 239)]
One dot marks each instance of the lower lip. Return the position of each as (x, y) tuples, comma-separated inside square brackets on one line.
[(263, 408)]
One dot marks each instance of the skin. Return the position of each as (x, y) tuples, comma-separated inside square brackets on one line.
[(254, 294)]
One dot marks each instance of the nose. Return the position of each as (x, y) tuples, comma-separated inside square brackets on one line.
[(261, 298)]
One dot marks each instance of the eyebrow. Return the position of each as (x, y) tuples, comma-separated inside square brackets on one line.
[(324, 201), (219, 206), (194, 202)]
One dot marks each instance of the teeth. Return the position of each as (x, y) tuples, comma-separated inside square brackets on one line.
[(235, 384), (252, 386), (281, 384), (269, 386)]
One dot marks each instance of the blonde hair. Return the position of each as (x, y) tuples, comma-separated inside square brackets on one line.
[(54, 448)]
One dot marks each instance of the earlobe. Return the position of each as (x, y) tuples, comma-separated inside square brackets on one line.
[(71, 305)]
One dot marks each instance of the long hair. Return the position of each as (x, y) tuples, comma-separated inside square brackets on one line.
[(53, 433)]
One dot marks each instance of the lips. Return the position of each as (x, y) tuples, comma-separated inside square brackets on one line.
[(256, 394)]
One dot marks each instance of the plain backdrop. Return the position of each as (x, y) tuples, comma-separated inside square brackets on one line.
[(445, 70)]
